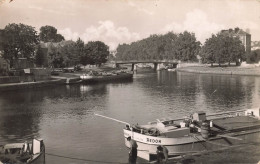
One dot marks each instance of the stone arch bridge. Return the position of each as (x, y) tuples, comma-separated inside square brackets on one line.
[(156, 63)]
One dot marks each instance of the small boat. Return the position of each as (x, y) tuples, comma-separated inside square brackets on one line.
[(171, 69), (106, 77), (85, 76), (196, 133), (24, 153)]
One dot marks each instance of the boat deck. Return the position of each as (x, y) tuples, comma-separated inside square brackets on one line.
[(233, 124)]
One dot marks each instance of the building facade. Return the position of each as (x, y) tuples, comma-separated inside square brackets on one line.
[(243, 36)]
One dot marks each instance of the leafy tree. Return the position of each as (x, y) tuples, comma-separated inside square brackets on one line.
[(222, 48), (39, 57), (187, 47), (52, 53), (121, 51), (95, 52), (254, 56), (20, 40), (59, 38), (49, 34), (69, 52), (170, 47), (79, 47), (206, 52), (58, 61)]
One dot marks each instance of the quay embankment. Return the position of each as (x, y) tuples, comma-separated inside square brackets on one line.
[(248, 71), (20, 82), (29, 85)]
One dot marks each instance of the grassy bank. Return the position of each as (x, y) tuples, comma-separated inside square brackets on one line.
[(252, 71)]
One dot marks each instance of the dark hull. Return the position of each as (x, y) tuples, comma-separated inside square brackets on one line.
[(40, 159), (123, 76)]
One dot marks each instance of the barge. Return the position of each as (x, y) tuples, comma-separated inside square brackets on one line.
[(194, 134), (106, 77)]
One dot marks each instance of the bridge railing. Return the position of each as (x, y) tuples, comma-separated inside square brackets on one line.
[(146, 61)]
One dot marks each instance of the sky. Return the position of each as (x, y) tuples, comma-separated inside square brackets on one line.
[(124, 21)]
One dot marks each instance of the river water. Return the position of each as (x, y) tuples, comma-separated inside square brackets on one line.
[(64, 116)]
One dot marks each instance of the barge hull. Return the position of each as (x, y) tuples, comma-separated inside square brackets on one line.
[(148, 151)]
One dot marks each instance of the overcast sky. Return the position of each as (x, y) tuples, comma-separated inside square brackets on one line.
[(124, 21)]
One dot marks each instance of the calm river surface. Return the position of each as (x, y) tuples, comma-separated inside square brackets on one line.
[(64, 116)]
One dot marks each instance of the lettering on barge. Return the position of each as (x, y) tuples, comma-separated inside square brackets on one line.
[(153, 140)]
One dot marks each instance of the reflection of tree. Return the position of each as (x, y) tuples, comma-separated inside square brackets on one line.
[(95, 89), (226, 91), (188, 85), (190, 92), (21, 111), (101, 88)]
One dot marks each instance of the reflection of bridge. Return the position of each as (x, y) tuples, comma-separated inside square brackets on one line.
[(155, 62)]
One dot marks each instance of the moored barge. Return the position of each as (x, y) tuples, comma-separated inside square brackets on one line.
[(105, 77), (196, 133)]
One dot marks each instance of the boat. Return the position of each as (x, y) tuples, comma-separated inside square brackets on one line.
[(102, 77), (171, 69), (24, 153), (196, 133)]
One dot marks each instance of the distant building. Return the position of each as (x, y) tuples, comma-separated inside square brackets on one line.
[(242, 35), (46, 48), (4, 64), (255, 45)]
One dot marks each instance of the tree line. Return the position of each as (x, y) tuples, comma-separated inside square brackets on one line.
[(23, 41), (70, 53), (219, 48), (170, 46)]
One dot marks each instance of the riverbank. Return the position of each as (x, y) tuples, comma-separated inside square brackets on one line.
[(29, 85), (60, 79), (248, 71)]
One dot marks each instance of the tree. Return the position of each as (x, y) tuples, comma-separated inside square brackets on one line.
[(101, 51), (79, 47), (95, 52), (59, 38), (222, 48), (52, 51), (20, 40), (69, 53), (206, 52), (39, 57), (254, 56), (49, 34), (187, 47)]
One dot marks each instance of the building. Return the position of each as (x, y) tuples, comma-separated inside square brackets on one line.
[(4, 65), (255, 45), (47, 46), (245, 37)]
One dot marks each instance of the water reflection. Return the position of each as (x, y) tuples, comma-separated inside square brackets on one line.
[(64, 115)]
